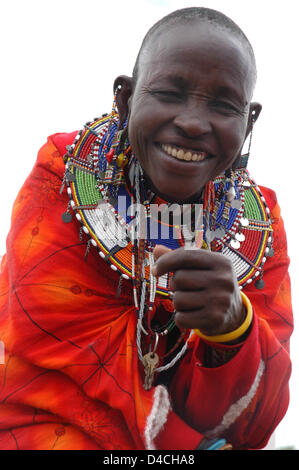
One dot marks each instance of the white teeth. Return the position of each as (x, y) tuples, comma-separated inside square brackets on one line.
[(182, 155)]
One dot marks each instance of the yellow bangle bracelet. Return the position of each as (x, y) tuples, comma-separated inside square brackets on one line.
[(232, 335)]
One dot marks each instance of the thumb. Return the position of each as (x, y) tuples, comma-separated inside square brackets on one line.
[(160, 250)]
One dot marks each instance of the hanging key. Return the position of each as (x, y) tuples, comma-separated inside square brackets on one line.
[(150, 362)]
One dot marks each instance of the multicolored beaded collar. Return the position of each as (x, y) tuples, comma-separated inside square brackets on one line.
[(239, 226)]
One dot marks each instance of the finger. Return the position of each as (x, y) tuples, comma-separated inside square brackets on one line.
[(193, 300), (195, 279), (160, 250), (191, 319), (192, 279), (188, 259), (190, 300), (198, 319), (198, 310)]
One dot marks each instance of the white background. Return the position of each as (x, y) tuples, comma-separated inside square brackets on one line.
[(58, 62)]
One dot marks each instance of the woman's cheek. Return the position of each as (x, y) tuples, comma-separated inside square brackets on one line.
[(138, 144)]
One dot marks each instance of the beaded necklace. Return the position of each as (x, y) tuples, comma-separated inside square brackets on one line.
[(236, 222)]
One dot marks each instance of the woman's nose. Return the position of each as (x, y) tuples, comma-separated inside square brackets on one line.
[(193, 121)]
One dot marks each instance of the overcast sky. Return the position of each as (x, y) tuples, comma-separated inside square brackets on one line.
[(58, 62)]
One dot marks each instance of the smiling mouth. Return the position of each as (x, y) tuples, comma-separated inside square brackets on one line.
[(182, 154)]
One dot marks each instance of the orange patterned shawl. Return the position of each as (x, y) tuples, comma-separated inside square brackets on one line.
[(71, 376)]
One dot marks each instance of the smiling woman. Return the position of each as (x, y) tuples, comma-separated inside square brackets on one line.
[(125, 338), (192, 94)]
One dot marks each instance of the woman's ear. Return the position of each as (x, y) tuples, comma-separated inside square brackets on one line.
[(254, 112), (123, 88)]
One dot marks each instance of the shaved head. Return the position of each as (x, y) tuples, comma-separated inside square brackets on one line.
[(192, 16)]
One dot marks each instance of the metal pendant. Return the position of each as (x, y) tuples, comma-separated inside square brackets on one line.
[(240, 237), (70, 176), (236, 204), (66, 217), (231, 194), (244, 222), (220, 232), (259, 284), (270, 253), (210, 235), (235, 244)]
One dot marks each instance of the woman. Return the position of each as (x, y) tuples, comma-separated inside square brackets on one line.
[(183, 343)]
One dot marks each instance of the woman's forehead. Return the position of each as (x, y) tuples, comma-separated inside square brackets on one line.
[(199, 48), (200, 38)]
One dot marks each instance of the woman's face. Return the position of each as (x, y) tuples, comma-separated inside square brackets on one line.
[(189, 109)]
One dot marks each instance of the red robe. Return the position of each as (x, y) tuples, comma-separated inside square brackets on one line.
[(72, 379)]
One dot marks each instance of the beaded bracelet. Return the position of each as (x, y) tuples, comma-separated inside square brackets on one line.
[(232, 335)]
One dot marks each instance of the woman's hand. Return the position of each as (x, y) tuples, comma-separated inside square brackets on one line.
[(205, 289)]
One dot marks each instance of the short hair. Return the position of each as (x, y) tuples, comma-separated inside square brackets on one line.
[(187, 15)]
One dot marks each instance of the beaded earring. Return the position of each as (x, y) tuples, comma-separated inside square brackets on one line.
[(223, 198), (230, 192), (114, 152), (242, 162)]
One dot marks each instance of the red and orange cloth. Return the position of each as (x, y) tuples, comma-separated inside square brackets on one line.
[(72, 378)]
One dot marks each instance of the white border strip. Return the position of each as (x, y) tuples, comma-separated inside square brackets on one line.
[(157, 417), (237, 408)]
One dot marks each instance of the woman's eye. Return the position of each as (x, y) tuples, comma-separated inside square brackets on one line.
[(225, 106), (167, 94)]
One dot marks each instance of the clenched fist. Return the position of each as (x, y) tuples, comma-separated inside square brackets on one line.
[(206, 295)]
